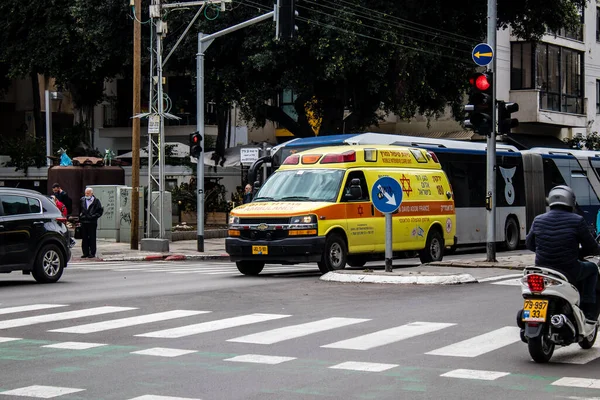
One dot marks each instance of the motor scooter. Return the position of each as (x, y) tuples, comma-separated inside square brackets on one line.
[(551, 315)]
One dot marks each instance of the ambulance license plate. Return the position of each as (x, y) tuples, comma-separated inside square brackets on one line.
[(535, 310), (262, 250)]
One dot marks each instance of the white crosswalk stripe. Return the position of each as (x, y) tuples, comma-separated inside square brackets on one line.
[(296, 331), (40, 319), (481, 344), (211, 326), (131, 321), (387, 336), (32, 307)]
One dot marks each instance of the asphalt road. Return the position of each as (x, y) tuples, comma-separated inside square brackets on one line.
[(141, 331)]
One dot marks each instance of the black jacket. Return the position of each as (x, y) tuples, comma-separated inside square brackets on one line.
[(64, 198), (90, 215), (555, 237)]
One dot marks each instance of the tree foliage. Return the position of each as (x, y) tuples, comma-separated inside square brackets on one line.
[(369, 57), (80, 43)]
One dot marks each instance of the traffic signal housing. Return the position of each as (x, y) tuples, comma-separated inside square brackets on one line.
[(286, 19), (195, 144), (505, 122), (480, 108)]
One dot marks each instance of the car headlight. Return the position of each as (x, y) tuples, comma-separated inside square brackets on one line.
[(234, 220), (304, 219)]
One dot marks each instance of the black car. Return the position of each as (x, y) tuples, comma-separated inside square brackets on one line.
[(33, 235)]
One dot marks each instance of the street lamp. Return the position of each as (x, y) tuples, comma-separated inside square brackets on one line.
[(48, 97)]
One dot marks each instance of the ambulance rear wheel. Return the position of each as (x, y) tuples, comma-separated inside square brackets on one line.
[(434, 247), (357, 261), (250, 267), (335, 254)]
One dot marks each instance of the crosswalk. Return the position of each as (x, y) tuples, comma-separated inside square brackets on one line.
[(266, 329), (188, 268), (58, 328)]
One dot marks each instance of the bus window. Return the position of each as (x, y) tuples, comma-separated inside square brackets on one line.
[(573, 176), (552, 175)]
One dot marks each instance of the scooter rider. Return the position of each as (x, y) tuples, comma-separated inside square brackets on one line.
[(555, 237)]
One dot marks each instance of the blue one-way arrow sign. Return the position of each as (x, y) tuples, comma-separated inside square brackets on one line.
[(483, 54), (386, 194)]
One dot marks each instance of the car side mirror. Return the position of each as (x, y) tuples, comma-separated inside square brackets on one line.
[(256, 185)]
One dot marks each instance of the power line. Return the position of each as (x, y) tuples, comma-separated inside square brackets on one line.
[(401, 19), (391, 32)]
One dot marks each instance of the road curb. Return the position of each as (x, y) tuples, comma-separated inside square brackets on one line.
[(400, 279), (162, 257), (482, 264)]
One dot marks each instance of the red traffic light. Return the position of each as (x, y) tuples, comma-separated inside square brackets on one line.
[(196, 139), (482, 82)]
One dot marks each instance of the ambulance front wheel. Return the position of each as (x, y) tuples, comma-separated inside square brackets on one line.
[(250, 267), (335, 254), (434, 247)]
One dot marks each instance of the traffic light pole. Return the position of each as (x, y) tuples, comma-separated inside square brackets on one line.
[(204, 41), (491, 142)]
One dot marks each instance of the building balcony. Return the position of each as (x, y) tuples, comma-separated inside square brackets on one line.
[(537, 106)]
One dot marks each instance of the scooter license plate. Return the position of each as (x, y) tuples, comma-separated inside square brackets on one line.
[(535, 310), (262, 250)]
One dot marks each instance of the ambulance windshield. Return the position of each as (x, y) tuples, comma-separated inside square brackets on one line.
[(302, 185)]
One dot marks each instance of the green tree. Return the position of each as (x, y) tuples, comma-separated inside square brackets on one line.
[(79, 42), (369, 57)]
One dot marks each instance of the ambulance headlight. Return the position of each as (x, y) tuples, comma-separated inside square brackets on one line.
[(234, 220), (304, 219)]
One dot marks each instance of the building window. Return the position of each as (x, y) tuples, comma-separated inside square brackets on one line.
[(556, 71), (597, 24), (521, 70), (597, 96), (575, 33)]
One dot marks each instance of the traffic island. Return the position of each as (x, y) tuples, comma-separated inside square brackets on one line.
[(397, 277)]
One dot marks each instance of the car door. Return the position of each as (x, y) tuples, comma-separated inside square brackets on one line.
[(19, 230)]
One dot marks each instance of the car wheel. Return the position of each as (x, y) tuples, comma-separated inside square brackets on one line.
[(49, 264), (335, 255), (357, 261), (434, 247)]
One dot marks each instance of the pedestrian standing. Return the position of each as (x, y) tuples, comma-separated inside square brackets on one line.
[(90, 211), (63, 197), (60, 206), (248, 194)]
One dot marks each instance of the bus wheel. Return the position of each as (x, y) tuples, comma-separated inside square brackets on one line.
[(434, 247), (335, 254), (511, 234), (250, 267)]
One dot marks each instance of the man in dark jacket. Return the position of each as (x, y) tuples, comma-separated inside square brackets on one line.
[(90, 211), (555, 237), (63, 197), (248, 194)]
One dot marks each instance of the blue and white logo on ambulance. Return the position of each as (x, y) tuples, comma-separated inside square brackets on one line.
[(509, 189), (448, 225)]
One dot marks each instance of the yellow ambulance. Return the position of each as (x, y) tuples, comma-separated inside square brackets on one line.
[(317, 207)]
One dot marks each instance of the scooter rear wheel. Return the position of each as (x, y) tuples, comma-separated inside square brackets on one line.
[(541, 349), (589, 341)]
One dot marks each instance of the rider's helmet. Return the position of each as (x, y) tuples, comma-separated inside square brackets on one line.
[(561, 196)]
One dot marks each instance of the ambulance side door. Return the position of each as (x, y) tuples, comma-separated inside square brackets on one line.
[(361, 235)]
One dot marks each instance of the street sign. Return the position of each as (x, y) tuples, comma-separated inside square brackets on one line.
[(482, 54), (154, 123), (386, 194), (249, 155)]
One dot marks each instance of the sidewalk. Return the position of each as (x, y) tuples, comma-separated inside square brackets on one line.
[(109, 250)]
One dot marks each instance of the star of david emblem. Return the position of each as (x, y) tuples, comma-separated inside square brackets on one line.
[(406, 188), (360, 211)]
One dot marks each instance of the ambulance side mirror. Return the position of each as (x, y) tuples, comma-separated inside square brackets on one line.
[(256, 185)]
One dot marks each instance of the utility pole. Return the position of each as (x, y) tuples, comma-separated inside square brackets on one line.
[(135, 130), (491, 141)]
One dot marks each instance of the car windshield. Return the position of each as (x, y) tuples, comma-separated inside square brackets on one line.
[(302, 185)]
